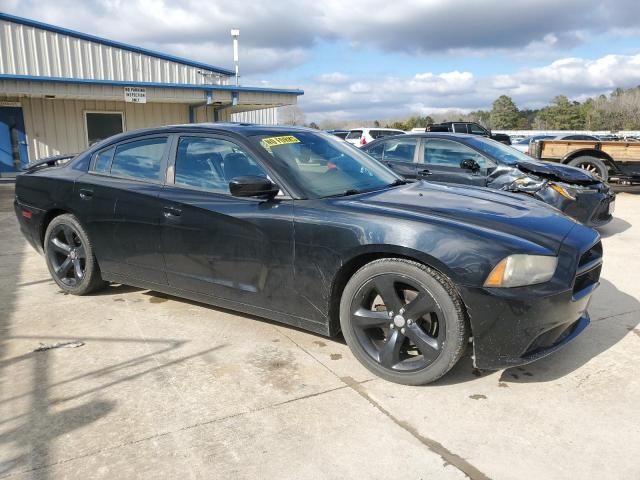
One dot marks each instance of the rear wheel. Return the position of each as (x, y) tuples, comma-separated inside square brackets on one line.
[(403, 321), (69, 256), (593, 165)]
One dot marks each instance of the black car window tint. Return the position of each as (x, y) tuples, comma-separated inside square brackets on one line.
[(450, 154), (376, 151), (200, 163), (477, 129), (140, 159), (401, 150), (102, 160)]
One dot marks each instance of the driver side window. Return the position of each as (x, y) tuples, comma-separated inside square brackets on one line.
[(400, 150), (447, 153), (210, 163)]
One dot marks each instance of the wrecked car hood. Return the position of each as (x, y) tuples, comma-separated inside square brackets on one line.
[(557, 172)]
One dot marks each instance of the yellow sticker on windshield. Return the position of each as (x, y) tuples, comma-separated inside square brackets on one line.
[(275, 141)]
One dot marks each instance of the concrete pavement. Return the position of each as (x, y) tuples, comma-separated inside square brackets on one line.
[(165, 387)]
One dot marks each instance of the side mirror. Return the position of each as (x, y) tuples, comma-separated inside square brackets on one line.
[(253, 186), (470, 164)]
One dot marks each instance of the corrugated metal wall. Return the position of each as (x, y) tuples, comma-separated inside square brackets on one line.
[(26, 50), (265, 116), (58, 126)]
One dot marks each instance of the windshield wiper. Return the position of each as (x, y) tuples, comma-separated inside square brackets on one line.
[(397, 181), (346, 193)]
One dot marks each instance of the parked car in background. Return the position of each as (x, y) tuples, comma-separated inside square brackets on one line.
[(471, 128), (225, 214), (364, 135), (482, 162), (339, 133), (523, 145)]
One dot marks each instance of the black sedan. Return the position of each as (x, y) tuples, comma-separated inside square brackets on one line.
[(297, 226), (474, 160)]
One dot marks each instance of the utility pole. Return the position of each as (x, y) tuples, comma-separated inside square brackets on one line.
[(235, 33)]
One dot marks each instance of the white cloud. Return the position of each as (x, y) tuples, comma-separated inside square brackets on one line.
[(428, 92), (334, 78)]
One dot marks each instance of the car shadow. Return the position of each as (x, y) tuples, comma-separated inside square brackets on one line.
[(615, 226), (603, 333)]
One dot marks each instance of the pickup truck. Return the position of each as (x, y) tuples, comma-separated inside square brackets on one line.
[(471, 128), (616, 162)]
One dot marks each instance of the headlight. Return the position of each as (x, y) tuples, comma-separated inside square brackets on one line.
[(562, 191), (519, 270)]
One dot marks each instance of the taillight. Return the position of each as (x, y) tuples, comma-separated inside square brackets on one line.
[(363, 141), (26, 214)]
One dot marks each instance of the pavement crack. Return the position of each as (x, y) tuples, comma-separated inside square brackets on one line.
[(447, 455)]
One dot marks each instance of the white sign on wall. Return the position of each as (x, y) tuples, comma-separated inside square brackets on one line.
[(135, 94), (9, 104)]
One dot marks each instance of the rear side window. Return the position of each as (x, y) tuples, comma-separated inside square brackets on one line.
[(102, 160), (354, 134), (383, 133), (140, 159)]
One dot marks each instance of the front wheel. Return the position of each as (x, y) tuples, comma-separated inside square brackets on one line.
[(69, 256), (403, 321), (592, 165)]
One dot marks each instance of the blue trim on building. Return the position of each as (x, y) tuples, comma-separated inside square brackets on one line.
[(111, 43), (127, 83)]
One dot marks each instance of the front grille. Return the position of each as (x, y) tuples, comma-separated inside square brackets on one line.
[(589, 267)]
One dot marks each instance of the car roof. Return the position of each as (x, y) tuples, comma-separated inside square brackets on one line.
[(377, 128)]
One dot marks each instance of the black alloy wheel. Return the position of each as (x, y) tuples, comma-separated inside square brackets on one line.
[(67, 255), (403, 320), (398, 322)]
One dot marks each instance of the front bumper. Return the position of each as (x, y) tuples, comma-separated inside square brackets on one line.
[(591, 206), (514, 326), (511, 329)]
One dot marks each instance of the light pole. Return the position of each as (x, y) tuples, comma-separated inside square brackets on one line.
[(235, 33)]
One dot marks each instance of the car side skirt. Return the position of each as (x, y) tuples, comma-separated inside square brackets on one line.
[(280, 317)]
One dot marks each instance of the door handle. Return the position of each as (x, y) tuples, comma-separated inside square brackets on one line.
[(426, 171), (171, 212), (86, 194)]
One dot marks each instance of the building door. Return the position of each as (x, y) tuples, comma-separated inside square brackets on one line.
[(13, 141)]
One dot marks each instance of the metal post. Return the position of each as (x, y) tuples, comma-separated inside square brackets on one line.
[(235, 33)]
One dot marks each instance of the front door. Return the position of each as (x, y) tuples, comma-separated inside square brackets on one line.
[(399, 154), (239, 249), (442, 162), (13, 141)]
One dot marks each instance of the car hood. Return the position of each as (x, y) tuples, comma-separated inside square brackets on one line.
[(557, 172), (501, 213)]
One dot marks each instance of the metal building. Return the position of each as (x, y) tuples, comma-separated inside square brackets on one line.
[(62, 90)]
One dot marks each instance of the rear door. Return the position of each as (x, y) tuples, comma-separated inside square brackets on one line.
[(441, 160), (238, 249), (117, 201)]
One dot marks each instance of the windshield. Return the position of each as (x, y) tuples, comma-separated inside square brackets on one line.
[(321, 165), (499, 151)]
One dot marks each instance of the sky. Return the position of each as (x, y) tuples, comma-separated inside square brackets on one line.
[(382, 59)]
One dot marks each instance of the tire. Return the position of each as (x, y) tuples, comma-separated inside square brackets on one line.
[(69, 255), (593, 165), (429, 333)]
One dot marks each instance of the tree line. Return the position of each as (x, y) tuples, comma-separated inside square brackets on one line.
[(619, 110)]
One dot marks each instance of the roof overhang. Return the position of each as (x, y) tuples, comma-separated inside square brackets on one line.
[(127, 83)]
